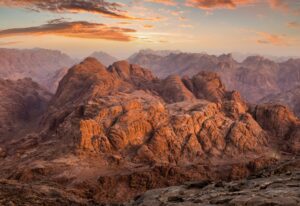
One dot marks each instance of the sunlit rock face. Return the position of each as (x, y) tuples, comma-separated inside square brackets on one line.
[(112, 133)]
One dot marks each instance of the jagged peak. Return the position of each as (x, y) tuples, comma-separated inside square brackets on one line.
[(256, 59)]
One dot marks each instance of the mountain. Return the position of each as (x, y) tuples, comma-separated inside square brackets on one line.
[(38, 64), (110, 134), (291, 98), (255, 77), (104, 58), (161, 53), (22, 102), (240, 57)]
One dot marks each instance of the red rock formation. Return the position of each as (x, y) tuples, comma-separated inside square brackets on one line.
[(110, 134)]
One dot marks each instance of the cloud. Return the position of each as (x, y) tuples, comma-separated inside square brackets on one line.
[(273, 39), (148, 26), (186, 26), (9, 43), (279, 4), (166, 2), (78, 29), (294, 25), (108, 9), (217, 4), (285, 6)]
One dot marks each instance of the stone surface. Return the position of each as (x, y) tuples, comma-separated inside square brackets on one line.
[(290, 98), (274, 187), (110, 134), (21, 103)]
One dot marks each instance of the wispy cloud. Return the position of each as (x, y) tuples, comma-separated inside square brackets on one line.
[(9, 43), (279, 4), (272, 39), (78, 29), (217, 4), (108, 9), (166, 2), (148, 26), (294, 25), (285, 6)]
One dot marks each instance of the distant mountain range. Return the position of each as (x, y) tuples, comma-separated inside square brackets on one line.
[(291, 98), (39, 64), (44, 66), (255, 77), (104, 58)]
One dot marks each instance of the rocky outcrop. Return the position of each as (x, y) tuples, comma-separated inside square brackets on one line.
[(280, 122), (21, 102), (290, 98), (39, 64), (115, 114), (112, 133), (276, 186)]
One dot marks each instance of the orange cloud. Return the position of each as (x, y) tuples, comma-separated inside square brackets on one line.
[(217, 4), (148, 26), (108, 9), (166, 2), (279, 4), (273, 39), (284, 6), (9, 43), (79, 29)]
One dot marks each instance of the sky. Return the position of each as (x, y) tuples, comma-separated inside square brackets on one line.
[(122, 27)]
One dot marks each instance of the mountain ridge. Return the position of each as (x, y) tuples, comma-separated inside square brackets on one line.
[(112, 133)]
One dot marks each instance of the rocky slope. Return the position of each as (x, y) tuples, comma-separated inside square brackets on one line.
[(291, 98), (112, 133), (39, 64), (274, 186), (104, 58), (21, 102), (255, 77)]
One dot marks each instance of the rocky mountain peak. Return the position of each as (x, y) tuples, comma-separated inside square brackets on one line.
[(112, 133)]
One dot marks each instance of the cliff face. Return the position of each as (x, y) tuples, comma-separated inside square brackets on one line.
[(112, 133)]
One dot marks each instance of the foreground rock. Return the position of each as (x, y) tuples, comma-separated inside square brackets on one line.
[(278, 186)]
